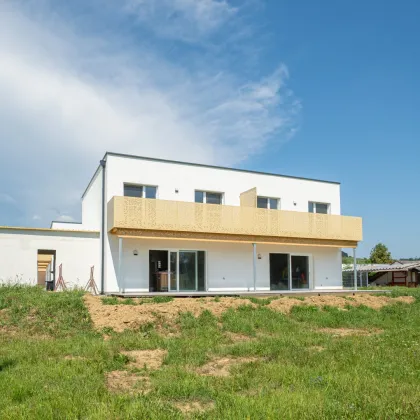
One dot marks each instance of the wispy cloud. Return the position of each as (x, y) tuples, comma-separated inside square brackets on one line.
[(187, 20), (68, 95)]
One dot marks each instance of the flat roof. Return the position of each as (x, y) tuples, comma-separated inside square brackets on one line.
[(64, 221), (215, 167), (47, 230)]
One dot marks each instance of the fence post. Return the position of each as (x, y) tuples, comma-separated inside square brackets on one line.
[(355, 268)]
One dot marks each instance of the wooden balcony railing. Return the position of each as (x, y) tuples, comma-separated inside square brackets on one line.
[(179, 216)]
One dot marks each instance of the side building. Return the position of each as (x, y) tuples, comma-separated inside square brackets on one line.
[(153, 225)]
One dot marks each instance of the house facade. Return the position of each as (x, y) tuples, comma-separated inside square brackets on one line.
[(150, 225)]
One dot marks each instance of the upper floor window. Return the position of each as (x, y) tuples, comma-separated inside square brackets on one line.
[(267, 203), (323, 208), (208, 197), (140, 191)]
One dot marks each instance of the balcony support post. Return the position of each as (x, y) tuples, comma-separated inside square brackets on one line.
[(254, 255), (355, 268), (120, 258)]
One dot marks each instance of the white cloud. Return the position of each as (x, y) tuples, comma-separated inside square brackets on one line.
[(36, 217), (67, 97), (187, 20)]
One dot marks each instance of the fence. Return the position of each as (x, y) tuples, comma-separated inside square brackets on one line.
[(348, 279)]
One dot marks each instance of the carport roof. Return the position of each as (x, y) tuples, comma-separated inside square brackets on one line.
[(374, 268)]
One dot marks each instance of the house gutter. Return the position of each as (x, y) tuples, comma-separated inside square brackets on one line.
[(103, 165)]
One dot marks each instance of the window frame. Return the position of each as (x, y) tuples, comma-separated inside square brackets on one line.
[(143, 187), (205, 192), (268, 202), (314, 204), (178, 250), (311, 272)]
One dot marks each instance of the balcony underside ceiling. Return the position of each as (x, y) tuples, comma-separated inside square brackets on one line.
[(217, 237)]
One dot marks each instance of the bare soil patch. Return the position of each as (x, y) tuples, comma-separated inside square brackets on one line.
[(285, 305), (12, 331), (70, 357), (221, 365), (149, 359), (9, 331), (238, 338), (344, 332), (317, 349), (121, 381), (121, 317), (195, 406), (168, 331)]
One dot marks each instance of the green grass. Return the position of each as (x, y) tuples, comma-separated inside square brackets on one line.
[(260, 301), (162, 299), (376, 376), (111, 300)]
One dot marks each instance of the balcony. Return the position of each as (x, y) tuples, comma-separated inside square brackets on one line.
[(129, 216)]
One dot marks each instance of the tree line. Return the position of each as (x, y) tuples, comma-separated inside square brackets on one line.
[(379, 254)]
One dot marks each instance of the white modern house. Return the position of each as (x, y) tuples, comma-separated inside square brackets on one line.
[(153, 225)]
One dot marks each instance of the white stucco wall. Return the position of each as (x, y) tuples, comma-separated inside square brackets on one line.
[(66, 225), (229, 265), (92, 203), (169, 177), (77, 252)]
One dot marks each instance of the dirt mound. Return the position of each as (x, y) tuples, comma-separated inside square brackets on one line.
[(221, 366), (344, 332), (121, 381), (285, 305), (120, 317), (196, 406), (149, 359)]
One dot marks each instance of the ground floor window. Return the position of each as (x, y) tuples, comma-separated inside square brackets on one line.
[(289, 272), (177, 270)]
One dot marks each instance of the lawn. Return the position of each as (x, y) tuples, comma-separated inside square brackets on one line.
[(249, 361)]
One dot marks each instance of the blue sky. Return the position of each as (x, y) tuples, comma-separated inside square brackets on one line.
[(324, 89)]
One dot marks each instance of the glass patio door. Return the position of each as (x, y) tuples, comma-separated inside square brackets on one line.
[(300, 272), (187, 270), (279, 272), (173, 271)]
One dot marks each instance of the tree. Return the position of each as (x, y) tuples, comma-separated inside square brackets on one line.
[(380, 254), (350, 260)]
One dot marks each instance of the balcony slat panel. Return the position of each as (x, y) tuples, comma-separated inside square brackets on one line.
[(148, 214)]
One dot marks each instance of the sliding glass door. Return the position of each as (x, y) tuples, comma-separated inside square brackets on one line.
[(173, 273), (279, 272), (300, 272), (289, 272), (187, 270)]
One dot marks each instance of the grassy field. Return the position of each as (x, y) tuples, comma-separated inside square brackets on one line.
[(54, 365)]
